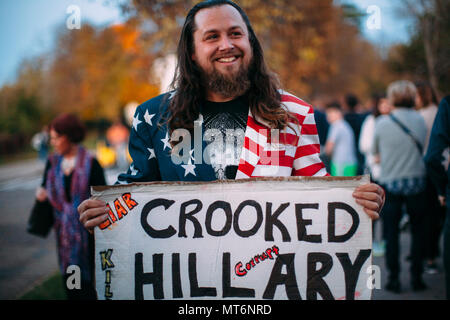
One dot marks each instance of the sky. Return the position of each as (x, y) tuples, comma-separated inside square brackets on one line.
[(28, 27), (392, 28)]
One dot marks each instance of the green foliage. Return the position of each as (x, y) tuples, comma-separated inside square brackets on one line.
[(427, 55), (21, 115), (408, 58), (22, 107), (27, 111)]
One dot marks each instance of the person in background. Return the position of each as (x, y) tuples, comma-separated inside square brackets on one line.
[(437, 163), (426, 104), (40, 142), (403, 178), (321, 122), (69, 173), (322, 130), (381, 106), (355, 119), (117, 136), (340, 145)]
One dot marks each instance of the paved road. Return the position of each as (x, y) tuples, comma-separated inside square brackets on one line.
[(26, 260), (435, 282)]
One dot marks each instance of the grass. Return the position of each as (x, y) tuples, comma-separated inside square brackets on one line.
[(51, 289)]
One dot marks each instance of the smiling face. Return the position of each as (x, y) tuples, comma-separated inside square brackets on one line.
[(221, 43)]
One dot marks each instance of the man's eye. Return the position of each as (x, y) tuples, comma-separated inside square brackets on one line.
[(211, 37), (236, 34)]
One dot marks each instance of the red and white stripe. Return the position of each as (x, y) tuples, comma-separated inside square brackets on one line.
[(295, 154)]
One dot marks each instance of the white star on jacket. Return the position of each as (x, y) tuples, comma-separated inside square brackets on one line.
[(152, 153), (148, 117), (189, 168), (133, 170), (136, 121), (166, 142)]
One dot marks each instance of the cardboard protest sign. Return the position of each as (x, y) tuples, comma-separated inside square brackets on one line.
[(280, 238)]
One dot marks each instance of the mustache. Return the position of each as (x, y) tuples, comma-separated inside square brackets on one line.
[(231, 53)]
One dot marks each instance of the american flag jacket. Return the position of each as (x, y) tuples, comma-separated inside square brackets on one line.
[(265, 152)]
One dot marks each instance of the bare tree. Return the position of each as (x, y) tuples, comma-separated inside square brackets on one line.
[(431, 20)]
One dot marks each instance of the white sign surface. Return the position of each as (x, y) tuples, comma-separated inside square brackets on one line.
[(281, 238)]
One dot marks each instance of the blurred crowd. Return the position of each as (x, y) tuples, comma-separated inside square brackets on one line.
[(386, 138), (111, 145), (389, 139)]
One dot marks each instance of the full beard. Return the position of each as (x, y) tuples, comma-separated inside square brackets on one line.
[(234, 85)]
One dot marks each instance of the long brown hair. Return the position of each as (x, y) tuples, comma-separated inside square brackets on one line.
[(426, 94), (263, 95)]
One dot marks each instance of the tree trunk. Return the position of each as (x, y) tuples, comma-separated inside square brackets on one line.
[(430, 39)]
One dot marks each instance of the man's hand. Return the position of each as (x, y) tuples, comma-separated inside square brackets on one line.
[(371, 196), (92, 213)]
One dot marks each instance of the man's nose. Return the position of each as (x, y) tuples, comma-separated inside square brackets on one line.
[(226, 44)]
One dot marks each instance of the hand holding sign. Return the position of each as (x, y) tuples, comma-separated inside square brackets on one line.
[(278, 238), (371, 196), (93, 213)]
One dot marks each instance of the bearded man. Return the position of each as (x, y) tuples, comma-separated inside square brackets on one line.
[(243, 125)]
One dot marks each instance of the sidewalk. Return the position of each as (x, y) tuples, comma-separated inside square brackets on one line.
[(435, 282)]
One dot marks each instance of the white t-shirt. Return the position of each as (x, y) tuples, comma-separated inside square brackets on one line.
[(365, 145), (341, 134), (428, 114)]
